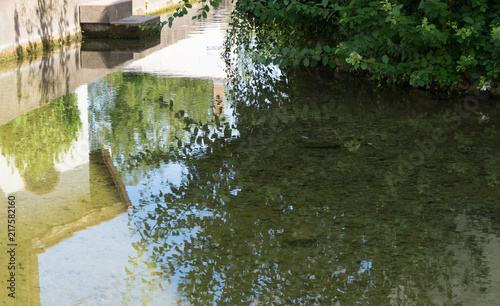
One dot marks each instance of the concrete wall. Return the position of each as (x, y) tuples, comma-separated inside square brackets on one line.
[(140, 6), (29, 24)]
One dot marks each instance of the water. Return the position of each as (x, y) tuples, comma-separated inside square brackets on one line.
[(281, 187)]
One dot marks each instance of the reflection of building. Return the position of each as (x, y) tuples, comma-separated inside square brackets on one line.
[(218, 89), (82, 194), (468, 270), (33, 84)]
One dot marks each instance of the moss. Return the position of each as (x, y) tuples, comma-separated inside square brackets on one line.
[(37, 48)]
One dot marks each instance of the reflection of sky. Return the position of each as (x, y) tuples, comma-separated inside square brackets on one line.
[(78, 153), (155, 179), (198, 56), (10, 180), (89, 269)]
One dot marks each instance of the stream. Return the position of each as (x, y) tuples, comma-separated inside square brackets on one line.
[(152, 176)]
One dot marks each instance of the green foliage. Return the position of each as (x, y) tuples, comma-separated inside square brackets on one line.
[(432, 42), (145, 113), (185, 5), (423, 43)]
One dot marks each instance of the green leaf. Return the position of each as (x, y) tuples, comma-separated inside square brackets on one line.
[(325, 60), (364, 65), (324, 3), (385, 59), (306, 62), (285, 51)]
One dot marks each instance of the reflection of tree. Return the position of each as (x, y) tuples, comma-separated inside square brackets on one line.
[(146, 114), (296, 209), (36, 141)]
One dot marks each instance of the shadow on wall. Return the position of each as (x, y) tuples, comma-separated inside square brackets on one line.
[(42, 24), (43, 27)]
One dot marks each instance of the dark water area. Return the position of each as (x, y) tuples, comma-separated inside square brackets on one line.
[(309, 191), (266, 186)]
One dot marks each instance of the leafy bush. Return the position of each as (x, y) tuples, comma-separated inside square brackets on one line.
[(423, 43)]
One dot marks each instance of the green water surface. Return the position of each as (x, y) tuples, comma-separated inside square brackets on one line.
[(310, 189)]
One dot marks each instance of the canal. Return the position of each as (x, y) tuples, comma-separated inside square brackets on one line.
[(150, 174)]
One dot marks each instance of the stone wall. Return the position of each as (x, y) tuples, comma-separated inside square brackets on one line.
[(29, 25), (151, 6)]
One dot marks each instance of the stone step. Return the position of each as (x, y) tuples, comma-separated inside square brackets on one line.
[(136, 21), (105, 11)]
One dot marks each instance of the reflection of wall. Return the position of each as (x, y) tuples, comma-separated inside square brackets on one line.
[(53, 138), (28, 87), (189, 49), (25, 88), (218, 98), (106, 53), (85, 195), (84, 198)]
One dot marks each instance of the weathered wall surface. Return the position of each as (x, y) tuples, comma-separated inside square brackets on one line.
[(29, 24), (149, 6)]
